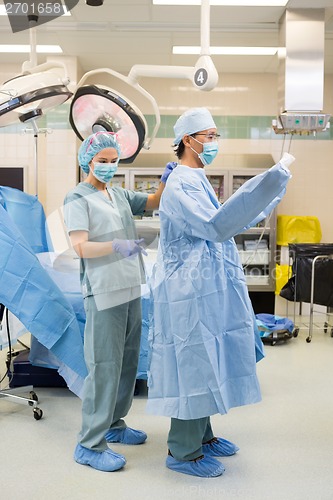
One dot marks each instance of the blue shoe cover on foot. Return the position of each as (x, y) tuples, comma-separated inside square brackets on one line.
[(107, 461), (125, 436), (204, 467), (219, 447)]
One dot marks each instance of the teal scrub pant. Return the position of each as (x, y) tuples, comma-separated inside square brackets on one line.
[(111, 350), (187, 436)]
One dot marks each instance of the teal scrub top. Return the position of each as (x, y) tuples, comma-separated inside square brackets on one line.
[(87, 209)]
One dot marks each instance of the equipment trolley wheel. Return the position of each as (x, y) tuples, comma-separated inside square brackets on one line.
[(295, 332), (308, 340), (33, 396), (332, 332), (325, 327), (37, 413)]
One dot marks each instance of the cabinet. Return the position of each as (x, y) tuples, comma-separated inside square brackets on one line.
[(147, 180), (121, 179), (219, 180), (256, 245)]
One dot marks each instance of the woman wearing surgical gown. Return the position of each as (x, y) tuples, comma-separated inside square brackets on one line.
[(204, 342)]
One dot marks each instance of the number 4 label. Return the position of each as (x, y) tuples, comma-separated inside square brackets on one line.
[(200, 77)]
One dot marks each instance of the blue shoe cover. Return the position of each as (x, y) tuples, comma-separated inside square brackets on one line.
[(106, 461), (219, 447), (203, 467), (125, 436)]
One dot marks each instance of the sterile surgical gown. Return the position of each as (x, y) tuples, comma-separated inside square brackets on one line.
[(204, 343)]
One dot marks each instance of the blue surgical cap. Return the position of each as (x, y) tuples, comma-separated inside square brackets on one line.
[(93, 144), (193, 120)]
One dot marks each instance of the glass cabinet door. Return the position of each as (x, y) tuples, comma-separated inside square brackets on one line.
[(255, 254), (148, 225), (145, 180), (219, 182), (256, 245), (237, 179), (120, 179)]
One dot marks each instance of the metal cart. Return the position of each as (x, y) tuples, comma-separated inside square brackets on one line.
[(312, 266), (12, 394)]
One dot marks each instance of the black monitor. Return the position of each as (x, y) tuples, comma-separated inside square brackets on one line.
[(12, 177)]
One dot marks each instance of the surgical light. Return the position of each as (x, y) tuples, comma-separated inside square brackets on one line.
[(99, 107), (28, 96), (95, 109), (36, 90)]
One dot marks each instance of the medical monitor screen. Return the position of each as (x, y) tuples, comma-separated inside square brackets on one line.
[(12, 177)]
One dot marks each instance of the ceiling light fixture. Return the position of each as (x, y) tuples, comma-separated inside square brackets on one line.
[(97, 107), (226, 3), (25, 49), (227, 51)]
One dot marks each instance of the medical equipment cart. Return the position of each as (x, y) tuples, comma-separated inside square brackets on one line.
[(312, 267), (12, 394)]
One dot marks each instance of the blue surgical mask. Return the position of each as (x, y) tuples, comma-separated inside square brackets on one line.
[(104, 172), (209, 152)]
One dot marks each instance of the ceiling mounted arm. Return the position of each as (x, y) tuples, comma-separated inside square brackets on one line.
[(203, 75), (31, 66), (28, 65)]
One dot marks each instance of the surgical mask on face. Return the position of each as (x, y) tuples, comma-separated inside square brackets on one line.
[(209, 152), (104, 172)]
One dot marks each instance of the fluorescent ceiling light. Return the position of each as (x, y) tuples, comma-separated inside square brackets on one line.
[(3, 11), (227, 51), (226, 3), (25, 49)]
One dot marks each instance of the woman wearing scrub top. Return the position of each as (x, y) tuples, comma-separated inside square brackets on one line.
[(101, 228)]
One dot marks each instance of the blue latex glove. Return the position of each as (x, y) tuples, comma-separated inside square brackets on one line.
[(168, 169), (127, 248)]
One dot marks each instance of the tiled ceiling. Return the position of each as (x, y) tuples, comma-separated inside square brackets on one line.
[(120, 34)]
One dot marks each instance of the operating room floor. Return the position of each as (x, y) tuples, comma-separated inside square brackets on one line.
[(286, 441)]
